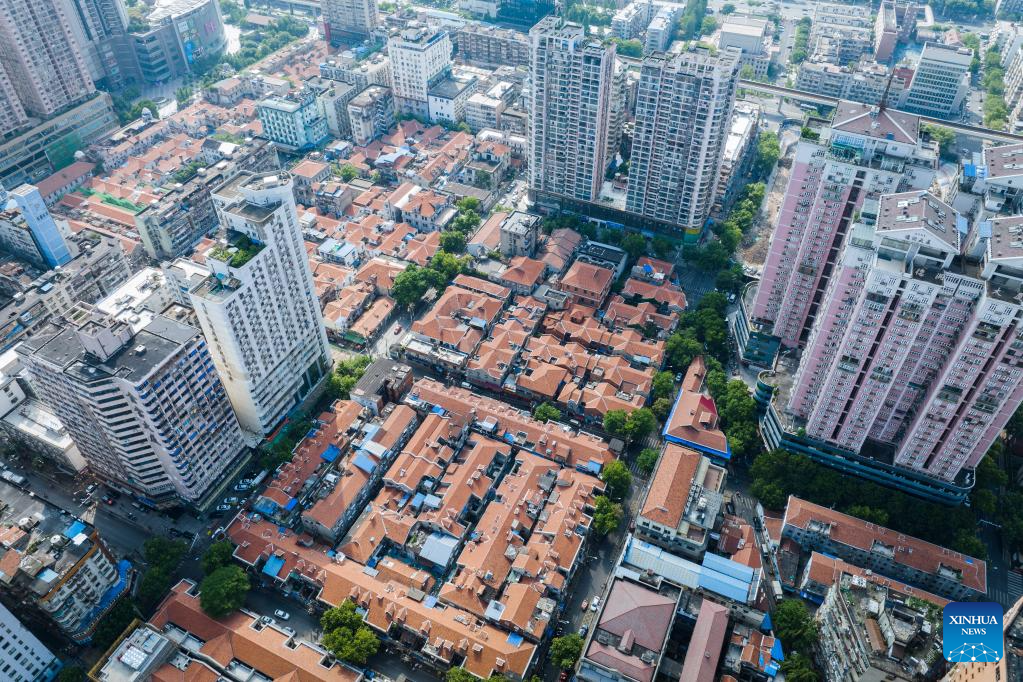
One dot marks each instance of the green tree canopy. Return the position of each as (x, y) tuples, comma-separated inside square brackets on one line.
[(634, 244), (346, 635), (664, 385), (546, 412), (795, 626), (566, 650), (647, 460), (799, 668), (349, 172), (607, 515), (615, 422), (641, 422), (452, 242), (217, 556), (223, 591), (617, 479)]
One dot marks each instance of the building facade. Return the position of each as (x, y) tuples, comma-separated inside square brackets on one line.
[(571, 110), (24, 656), (41, 57), (48, 238), (258, 307), (940, 82), (295, 121), (420, 58), (683, 115), (142, 402), (865, 152), (491, 46), (347, 19), (371, 114)]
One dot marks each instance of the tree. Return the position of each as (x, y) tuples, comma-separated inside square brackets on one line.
[(799, 668), (647, 460), (409, 286), (945, 138), (607, 515), (452, 242), (708, 26), (183, 95), (681, 349), (628, 48), (468, 204), (862, 511), (223, 591), (447, 265), (727, 8), (460, 675), (546, 412), (113, 624), (768, 153), (615, 422), (346, 635), (662, 246), (640, 423), (617, 479), (634, 244), (217, 556), (664, 385), (662, 408), (349, 172), (566, 650), (795, 626), (466, 221)]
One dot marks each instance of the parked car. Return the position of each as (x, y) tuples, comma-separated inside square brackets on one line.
[(595, 604), (583, 630), (230, 500), (397, 329), (242, 487), (90, 489), (290, 631), (586, 603), (283, 615), (108, 500), (223, 508)]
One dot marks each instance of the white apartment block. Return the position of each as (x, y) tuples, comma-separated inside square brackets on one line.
[(258, 308), (630, 21), (571, 110), (683, 110), (658, 33), (296, 122), (420, 57), (142, 401), (940, 82), (42, 60), (23, 658), (347, 18), (864, 83)]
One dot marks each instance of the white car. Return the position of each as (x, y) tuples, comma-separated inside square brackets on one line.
[(283, 615), (595, 604)]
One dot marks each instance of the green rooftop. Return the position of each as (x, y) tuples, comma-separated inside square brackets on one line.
[(240, 249)]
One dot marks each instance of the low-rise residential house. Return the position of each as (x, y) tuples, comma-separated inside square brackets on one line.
[(693, 421), (586, 283)]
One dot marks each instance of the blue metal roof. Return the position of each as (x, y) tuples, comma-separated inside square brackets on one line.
[(728, 567), (514, 639), (364, 462), (331, 452), (776, 651), (437, 409), (736, 590), (291, 504)]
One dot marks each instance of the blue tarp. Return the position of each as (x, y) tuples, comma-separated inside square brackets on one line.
[(766, 625), (331, 453), (776, 651), (430, 602), (74, 530), (593, 466), (647, 269), (265, 507), (514, 639), (291, 504), (364, 462), (437, 409), (969, 170), (273, 566), (417, 501)]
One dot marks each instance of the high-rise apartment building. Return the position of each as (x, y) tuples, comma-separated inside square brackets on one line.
[(683, 108), (41, 57), (866, 152), (101, 29), (347, 19), (258, 307), (24, 656), (142, 401), (571, 110), (12, 114), (940, 81), (420, 58)]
